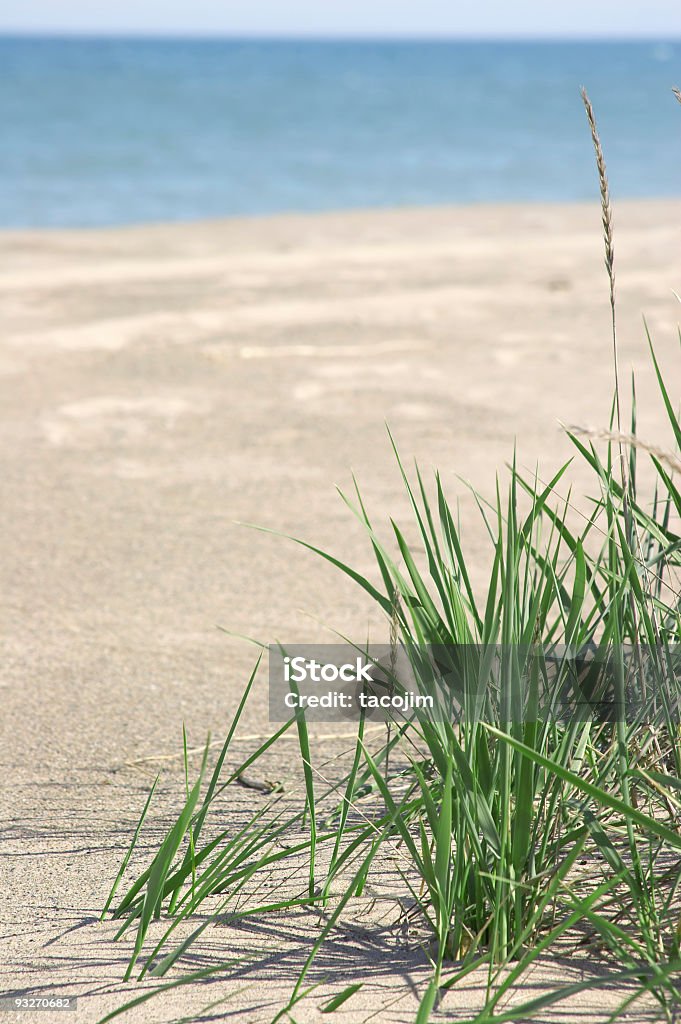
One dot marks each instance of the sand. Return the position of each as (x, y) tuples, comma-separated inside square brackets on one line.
[(162, 385)]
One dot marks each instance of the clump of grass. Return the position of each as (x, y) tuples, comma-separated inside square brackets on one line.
[(494, 812)]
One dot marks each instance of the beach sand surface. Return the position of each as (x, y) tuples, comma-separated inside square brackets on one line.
[(162, 385)]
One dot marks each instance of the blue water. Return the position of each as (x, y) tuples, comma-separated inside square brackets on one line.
[(119, 131)]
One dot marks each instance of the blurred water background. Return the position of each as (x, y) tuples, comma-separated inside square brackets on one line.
[(110, 131)]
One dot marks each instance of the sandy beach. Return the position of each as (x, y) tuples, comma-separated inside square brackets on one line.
[(163, 385)]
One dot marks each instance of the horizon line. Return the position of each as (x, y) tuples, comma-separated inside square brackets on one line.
[(201, 35)]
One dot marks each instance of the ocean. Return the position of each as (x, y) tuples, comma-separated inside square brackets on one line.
[(116, 131)]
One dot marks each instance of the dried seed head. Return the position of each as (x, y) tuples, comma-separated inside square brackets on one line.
[(606, 206), (672, 462)]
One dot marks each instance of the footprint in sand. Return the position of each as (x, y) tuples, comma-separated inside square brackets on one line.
[(113, 420)]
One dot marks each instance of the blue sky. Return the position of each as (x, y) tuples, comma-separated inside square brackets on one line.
[(656, 18)]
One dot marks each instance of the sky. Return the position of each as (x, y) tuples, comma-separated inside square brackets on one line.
[(652, 18)]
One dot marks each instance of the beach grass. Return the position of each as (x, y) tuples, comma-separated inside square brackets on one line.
[(515, 834)]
